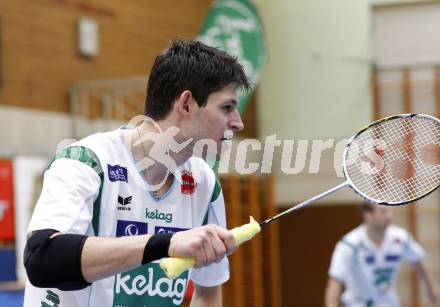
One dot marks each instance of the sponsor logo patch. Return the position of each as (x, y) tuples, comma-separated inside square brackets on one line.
[(117, 173), (189, 184), (148, 286), (392, 258), (163, 229), (124, 202), (370, 259), (52, 298), (130, 228), (157, 215)]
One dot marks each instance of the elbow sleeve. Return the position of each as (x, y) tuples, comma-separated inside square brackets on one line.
[(55, 262)]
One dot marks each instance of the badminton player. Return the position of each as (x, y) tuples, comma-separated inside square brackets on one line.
[(109, 210), (365, 263)]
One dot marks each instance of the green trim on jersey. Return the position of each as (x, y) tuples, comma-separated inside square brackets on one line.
[(352, 246), (409, 239), (205, 219), (97, 207), (215, 194), (217, 190), (89, 158), (81, 154)]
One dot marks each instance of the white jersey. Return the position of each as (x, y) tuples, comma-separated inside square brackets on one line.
[(93, 187), (369, 272)]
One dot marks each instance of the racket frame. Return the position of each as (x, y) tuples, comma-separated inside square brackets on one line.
[(348, 181), (354, 137)]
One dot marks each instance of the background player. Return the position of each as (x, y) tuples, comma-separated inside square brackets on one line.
[(366, 261)]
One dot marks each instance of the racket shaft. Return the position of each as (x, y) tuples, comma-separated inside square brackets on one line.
[(305, 203)]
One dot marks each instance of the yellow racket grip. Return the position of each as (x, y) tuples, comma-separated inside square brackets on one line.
[(174, 266)]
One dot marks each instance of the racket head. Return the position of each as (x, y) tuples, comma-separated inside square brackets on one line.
[(394, 160)]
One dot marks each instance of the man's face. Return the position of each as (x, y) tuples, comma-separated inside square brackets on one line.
[(218, 119), (380, 218)]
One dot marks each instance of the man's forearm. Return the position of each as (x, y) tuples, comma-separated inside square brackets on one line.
[(423, 273), (333, 293), (73, 261), (427, 279), (104, 257)]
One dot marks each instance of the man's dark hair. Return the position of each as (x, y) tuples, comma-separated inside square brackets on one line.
[(366, 207), (193, 66)]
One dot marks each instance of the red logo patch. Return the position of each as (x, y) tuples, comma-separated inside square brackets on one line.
[(188, 183)]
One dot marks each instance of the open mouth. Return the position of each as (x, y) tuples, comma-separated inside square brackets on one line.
[(228, 135)]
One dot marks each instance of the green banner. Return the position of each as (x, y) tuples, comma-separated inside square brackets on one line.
[(234, 26)]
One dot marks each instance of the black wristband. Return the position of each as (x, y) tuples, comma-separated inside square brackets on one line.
[(156, 247)]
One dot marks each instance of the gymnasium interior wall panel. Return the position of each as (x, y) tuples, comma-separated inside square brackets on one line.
[(39, 44), (308, 238)]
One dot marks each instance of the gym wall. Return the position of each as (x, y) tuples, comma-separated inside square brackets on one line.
[(39, 49)]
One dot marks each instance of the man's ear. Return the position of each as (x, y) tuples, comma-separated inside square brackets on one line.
[(185, 102)]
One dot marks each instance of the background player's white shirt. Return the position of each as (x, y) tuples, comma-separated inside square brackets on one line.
[(369, 272), (110, 199)]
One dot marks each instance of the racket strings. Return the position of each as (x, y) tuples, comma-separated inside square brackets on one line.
[(393, 168)]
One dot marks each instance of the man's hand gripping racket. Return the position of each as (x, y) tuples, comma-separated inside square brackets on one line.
[(175, 266), (392, 161)]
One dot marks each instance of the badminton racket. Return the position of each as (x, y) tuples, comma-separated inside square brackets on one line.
[(392, 161)]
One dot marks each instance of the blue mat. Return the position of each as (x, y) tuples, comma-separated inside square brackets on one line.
[(13, 298)]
